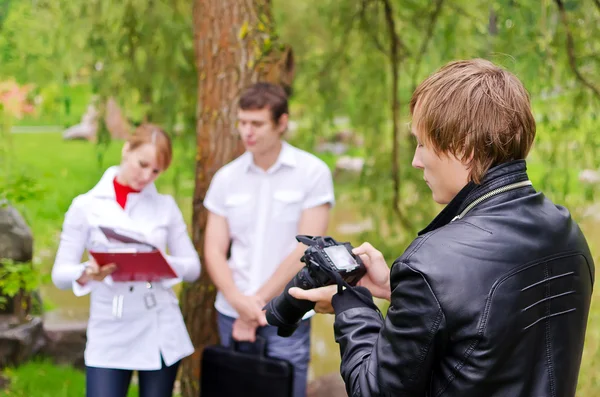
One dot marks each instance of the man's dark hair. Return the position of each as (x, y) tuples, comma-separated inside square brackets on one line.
[(265, 95)]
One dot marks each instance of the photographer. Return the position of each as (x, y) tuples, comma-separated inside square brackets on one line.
[(492, 298)]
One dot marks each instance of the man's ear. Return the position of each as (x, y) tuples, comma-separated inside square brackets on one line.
[(282, 124)]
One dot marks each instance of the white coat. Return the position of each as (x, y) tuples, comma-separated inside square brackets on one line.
[(142, 332)]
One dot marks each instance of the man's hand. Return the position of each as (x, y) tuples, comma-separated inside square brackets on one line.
[(321, 296), (244, 331), (377, 279), (95, 272), (250, 308)]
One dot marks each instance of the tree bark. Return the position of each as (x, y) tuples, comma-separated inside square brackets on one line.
[(235, 45)]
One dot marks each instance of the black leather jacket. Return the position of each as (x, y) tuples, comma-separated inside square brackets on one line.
[(492, 304)]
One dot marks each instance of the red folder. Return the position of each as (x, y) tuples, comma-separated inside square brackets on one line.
[(139, 266), (136, 260)]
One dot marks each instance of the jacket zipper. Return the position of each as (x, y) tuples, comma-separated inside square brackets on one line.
[(491, 194)]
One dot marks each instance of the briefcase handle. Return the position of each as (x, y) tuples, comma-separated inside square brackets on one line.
[(259, 347)]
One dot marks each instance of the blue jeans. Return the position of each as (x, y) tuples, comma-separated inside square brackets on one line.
[(295, 349), (108, 382)]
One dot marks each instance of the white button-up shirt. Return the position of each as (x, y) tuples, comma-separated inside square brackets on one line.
[(150, 324), (263, 211)]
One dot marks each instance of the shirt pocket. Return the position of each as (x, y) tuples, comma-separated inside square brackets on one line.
[(287, 205), (238, 208)]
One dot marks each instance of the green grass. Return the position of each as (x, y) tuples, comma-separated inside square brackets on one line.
[(42, 378)]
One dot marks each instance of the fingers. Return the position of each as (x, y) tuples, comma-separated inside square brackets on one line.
[(314, 295), (262, 319), (368, 251), (244, 331), (97, 273), (108, 269), (364, 248), (324, 307), (92, 267)]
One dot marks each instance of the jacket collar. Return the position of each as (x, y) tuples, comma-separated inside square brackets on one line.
[(105, 188), (498, 176)]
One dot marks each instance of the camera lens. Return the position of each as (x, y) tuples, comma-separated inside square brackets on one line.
[(285, 312)]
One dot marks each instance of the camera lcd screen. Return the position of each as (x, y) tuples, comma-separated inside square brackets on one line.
[(341, 257)]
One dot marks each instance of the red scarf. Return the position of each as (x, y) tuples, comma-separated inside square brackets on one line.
[(121, 192)]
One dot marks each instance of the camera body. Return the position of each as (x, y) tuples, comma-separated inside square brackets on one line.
[(323, 258), (325, 252)]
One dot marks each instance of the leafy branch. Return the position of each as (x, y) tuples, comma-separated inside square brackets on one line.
[(433, 17), (571, 49), (395, 60)]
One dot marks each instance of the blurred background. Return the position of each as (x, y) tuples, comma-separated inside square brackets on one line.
[(77, 75)]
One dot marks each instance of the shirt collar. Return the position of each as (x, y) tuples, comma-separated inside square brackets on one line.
[(286, 158)]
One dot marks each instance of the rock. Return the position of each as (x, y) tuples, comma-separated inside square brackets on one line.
[(592, 212), (590, 177), (65, 343), (348, 137), (87, 128), (331, 385), (16, 244), (19, 342), (351, 164), (116, 124), (356, 227), (336, 148), (16, 240)]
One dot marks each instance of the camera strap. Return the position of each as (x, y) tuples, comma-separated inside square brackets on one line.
[(343, 286)]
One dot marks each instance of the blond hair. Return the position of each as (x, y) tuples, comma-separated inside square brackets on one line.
[(154, 135), (475, 110)]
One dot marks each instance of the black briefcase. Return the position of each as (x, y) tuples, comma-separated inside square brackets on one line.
[(229, 372)]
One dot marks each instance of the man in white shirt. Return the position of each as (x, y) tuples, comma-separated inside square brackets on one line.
[(259, 203)]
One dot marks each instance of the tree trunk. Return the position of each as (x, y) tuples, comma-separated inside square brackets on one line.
[(235, 46)]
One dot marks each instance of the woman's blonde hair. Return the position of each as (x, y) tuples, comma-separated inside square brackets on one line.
[(153, 134)]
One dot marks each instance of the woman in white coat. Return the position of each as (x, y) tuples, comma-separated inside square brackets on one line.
[(132, 325)]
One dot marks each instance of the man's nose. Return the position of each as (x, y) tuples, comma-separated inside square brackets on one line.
[(416, 162), (246, 130)]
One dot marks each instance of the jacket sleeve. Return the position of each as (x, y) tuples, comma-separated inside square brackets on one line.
[(67, 263), (182, 254), (391, 357)]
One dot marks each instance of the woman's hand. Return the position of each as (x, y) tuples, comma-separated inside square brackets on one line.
[(377, 279), (96, 273)]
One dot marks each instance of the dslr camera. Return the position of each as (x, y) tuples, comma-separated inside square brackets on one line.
[(326, 262)]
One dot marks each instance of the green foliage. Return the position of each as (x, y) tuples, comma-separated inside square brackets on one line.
[(346, 71), (141, 53), (18, 187), (42, 378), (18, 278)]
